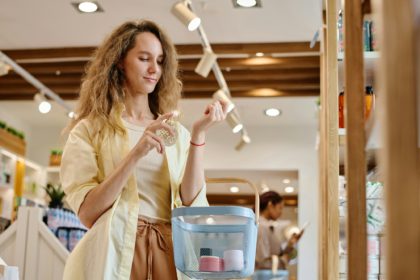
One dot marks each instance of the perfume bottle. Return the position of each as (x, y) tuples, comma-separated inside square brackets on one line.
[(169, 139)]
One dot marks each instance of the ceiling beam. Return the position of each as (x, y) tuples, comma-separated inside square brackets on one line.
[(188, 49), (246, 199)]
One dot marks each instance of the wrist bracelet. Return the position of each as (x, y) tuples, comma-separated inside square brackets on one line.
[(197, 145)]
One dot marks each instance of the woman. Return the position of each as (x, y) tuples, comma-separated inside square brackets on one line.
[(271, 209), (118, 175)]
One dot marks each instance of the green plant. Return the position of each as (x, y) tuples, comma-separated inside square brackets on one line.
[(56, 152), (56, 194), (3, 125), (21, 135)]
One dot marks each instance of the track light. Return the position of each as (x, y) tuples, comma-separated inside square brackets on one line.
[(221, 96), (4, 68), (186, 16), (71, 115), (244, 140), (206, 63), (234, 123), (246, 3), (43, 105)]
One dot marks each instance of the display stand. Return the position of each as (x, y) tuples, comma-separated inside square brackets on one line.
[(30, 245)]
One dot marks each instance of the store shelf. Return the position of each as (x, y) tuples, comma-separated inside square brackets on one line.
[(370, 61), (53, 169)]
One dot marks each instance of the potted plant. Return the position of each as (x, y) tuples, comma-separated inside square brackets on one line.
[(2, 124), (55, 157), (56, 195)]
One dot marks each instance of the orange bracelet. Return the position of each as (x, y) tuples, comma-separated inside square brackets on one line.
[(197, 145)]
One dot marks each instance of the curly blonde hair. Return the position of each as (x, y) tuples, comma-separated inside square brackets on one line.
[(102, 94)]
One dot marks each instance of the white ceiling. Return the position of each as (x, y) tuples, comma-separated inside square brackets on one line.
[(296, 111), (51, 23)]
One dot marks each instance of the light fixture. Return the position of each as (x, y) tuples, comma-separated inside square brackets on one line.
[(234, 123), (87, 7), (272, 112), (259, 54), (4, 68), (246, 3), (206, 63), (210, 221), (186, 16), (221, 96), (264, 187), (289, 189), (71, 115), (286, 181), (43, 105), (234, 189)]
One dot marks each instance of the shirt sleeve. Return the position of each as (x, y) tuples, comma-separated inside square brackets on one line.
[(79, 167), (263, 246)]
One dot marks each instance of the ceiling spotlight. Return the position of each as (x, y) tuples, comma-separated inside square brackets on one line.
[(87, 7), (234, 123), (246, 3), (234, 189), (206, 63), (272, 112), (289, 189), (244, 140), (210, 221), (186, 16), (4, 68), (221, 96), (259, 54), (286, 181), (43, 105), (71, 115), (264, 187)]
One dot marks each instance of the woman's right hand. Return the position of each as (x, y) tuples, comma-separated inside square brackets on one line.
[(150, 140)]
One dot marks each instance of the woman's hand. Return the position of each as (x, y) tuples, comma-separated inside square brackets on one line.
[(150, 140), (214, 113)]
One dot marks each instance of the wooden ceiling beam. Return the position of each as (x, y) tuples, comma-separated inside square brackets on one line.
[(73, 94), (242, 48), (75, 67), (63, 87), (246, 199)]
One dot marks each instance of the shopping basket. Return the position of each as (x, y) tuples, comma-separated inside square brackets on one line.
[(216, 242)]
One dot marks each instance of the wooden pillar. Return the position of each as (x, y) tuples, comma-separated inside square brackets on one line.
[(397, 78), (329, 149), (355, 142)]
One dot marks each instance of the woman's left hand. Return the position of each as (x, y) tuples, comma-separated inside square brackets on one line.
[(214, 113)]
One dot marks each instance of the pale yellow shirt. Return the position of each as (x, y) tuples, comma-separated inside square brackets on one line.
[(152, 176), (106, 251)]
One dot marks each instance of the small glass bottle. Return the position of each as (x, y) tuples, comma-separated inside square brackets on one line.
[(169, 139), (341, 110), (369, 101)]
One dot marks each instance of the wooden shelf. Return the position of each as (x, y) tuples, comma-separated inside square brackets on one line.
[(370, 61), (12, 143)]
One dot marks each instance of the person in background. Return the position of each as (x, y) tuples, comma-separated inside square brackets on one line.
[(117, 173), (271, 209)]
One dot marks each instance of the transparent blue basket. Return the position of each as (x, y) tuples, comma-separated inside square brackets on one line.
[(200, 233), (266, 274)]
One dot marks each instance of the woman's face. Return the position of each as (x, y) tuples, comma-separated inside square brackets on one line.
[(143, 64), (275, 210)]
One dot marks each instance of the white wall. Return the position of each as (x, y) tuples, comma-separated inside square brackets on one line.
[(41, 142)]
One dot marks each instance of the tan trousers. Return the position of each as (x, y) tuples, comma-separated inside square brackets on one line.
[(153, 255)]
